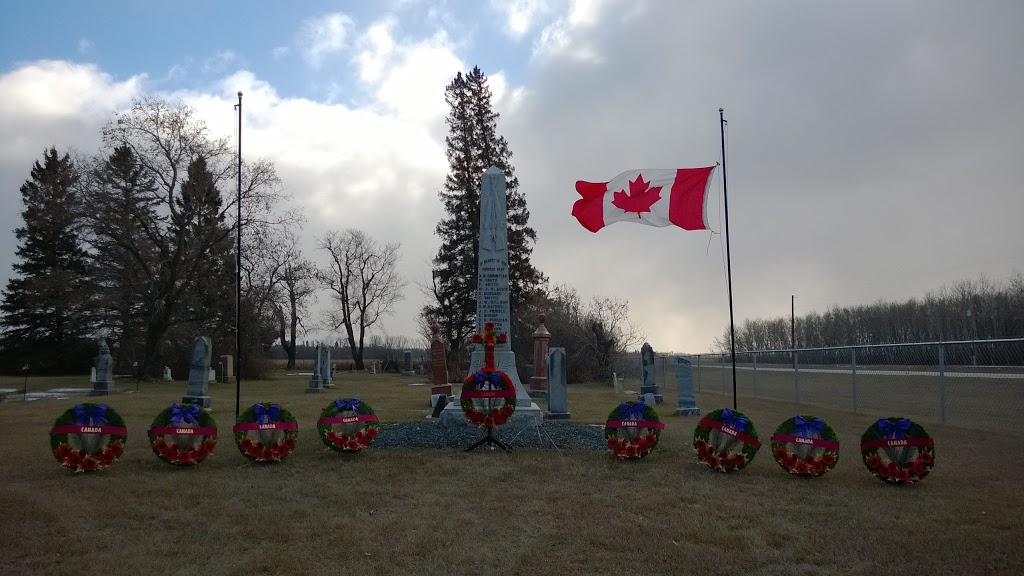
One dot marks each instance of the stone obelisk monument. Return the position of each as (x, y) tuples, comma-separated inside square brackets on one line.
[(492, 303)]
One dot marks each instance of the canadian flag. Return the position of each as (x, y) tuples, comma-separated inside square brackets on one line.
[(656, 197)]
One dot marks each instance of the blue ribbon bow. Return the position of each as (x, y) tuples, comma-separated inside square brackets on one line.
[(97, 415), (266, 414), (188, 414), (634, 411), (344, 405), (805, 428), (738, 423), (894, 430), (482, 378)]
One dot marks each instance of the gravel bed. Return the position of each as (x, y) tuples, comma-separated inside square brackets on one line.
[(551, 435)]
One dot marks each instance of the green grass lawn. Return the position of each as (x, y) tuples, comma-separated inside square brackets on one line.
[(404, 511)]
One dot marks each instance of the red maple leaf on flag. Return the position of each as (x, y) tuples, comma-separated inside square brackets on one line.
[(640, 198)]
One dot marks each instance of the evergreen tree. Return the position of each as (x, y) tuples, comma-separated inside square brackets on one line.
[(473, 145), (120, 211), (45, 305)]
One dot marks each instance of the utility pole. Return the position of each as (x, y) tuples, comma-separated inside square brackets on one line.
[(792, 322), (792, 327)]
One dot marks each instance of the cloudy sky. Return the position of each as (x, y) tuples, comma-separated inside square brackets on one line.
[(874, 147)]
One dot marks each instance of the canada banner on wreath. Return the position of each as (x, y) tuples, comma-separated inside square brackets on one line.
[(88, 437), (347, 425), (632, 430), (725, 440), (488, 397), (897, 450), (805, 446), (183, 435), (266, 432)]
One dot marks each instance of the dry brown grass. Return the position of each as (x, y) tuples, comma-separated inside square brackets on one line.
[(532, 512)]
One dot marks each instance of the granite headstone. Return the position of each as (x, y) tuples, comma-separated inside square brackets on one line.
[(316, 385), (197, 391), (104, 383), (686, 402), (324, 367), (648, 385), (558, 397)]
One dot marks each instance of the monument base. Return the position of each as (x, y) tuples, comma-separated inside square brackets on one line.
[(409, 373), (445, 389), (203, 401), (556, 416), (523, 417), (101, 388), (694, 411), (658, 398), (537, 393)]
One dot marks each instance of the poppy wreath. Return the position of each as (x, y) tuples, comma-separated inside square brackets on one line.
[(805, 446), (88, 437), (183, 435), (347, 425), (266, 432), (488, 397), (633, 430), (897, 450), (725, 440)]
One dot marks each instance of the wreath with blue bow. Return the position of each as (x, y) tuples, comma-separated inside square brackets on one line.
[(183, 434), (633, 430), (897, 450), (725, 440), (88, 437), (805, 446), (347, 425), (488, 412), (266, 432)]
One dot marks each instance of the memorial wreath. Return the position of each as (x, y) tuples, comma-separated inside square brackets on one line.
[(805, 446), (88, 437), (347, 425), (266, 432), (725, 440), (183, 435), (633, 430), (898, 450), (488, 396)]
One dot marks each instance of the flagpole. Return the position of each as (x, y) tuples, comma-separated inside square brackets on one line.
[(728, 257), (238, 268)]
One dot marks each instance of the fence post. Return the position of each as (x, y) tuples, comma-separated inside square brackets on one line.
[(942, 383), (796, 375), (853, 371), (698, 372), (723, 374), (754, 391)]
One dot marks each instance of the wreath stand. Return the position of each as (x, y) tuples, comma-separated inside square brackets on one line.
[(490, 440)]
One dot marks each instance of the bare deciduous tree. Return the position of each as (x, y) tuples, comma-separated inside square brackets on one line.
[(362, 278)]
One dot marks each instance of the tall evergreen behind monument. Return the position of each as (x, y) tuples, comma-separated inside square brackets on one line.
[(474, 145), (46, 321)]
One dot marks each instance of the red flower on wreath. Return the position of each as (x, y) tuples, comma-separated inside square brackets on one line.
[(925, 457), (874, 462), (372, 432), (89, 464), (63, 451), (828, 459)]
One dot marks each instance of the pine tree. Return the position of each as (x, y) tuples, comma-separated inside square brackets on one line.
[(473, 145), (120, 210), (45, 307)]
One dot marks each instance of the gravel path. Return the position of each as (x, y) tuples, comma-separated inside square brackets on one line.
[(552, 435)]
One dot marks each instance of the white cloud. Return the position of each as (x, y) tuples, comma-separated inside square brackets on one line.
[(84, 45), (407, 77), (521, 15), (280, 52), (219, 62), (325, 36)]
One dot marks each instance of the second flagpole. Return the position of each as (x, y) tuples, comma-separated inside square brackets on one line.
[(728, 257)]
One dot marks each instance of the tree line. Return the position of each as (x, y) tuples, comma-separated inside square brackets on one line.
[(966, 310), (136, 243)]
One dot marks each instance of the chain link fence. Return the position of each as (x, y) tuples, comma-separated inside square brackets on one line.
[(975, 383)]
